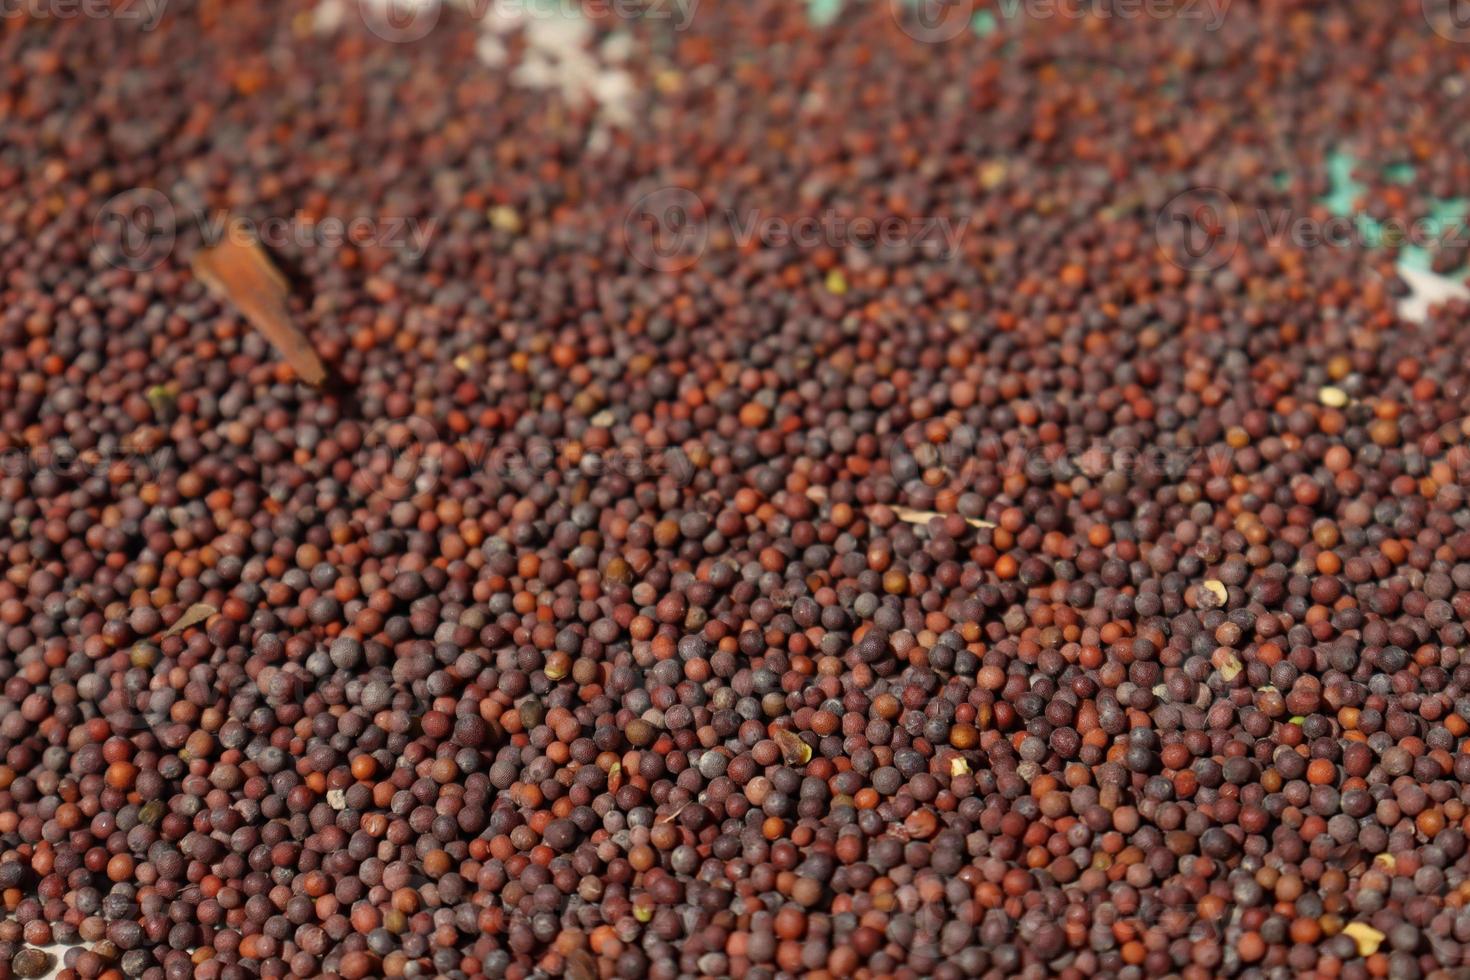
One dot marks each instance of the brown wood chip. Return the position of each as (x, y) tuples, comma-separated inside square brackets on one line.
[(238, 271)]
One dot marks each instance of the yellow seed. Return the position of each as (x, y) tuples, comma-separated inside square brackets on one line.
[(1365, 936), (505, 219), (1332, 397)]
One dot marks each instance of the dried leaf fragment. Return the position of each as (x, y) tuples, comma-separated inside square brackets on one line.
[(793, 749), (911, 516), (193, 616), (238, 271)]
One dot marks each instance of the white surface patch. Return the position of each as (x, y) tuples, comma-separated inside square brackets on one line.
[(559, 57), (559, 54), (328, 16), (1428, 289)]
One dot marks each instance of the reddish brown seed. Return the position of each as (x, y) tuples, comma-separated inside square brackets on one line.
[(696, 581)]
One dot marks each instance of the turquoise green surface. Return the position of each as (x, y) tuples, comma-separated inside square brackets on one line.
[(1343, 191), (823, 12), (1399, 173), (1446, 216)]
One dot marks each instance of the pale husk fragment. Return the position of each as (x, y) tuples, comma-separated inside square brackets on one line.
[(911, 516)]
